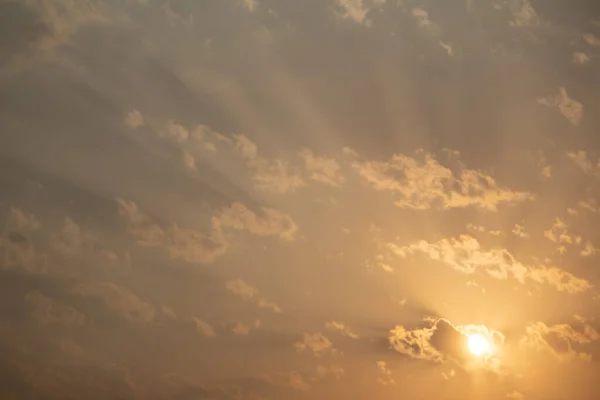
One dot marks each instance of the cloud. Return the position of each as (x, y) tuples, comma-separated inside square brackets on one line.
[(250, 294), (464, 254), (19, 221), (355, 10), (203, 327), (591, 39), (271, 223), (321, 169), (244, 329), (519, 231), (440, 340), (270, 175), (332, 370), (71, 240), (448, 48), (192, 144), (292, 379), (570, 109), (47, 311), (341, 328), (140, 225), (386, 378), (17, 251), (523, 13), (580, 58), (425, 183), (560, 340), (421, 16), (315, 342), (250, 5), (134, 119), (119, 299), (515, 395), (580, 159), (193, 246)]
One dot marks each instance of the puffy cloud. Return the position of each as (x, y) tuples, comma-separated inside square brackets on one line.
[(20, 221), (355, 10), (316, 342), (270, 175), (424, 184), (271, 223), (560, 340), (134, 119), (119, 299), (464, 254), (250, 294), (421, 16), (341, 328), (197, 247), (515, 395), (581, 160), (570, 109), (71, 239), (47, 311), (440, 340), (519, 230), (321, 169), (140, 225), (523, 13), (17, 251)]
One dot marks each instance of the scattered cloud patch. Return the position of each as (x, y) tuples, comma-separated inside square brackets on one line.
[(570, 109), (423, 183)]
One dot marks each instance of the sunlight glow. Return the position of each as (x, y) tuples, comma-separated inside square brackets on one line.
[(478, 344)]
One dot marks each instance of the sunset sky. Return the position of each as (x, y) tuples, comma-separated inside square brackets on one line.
[(300, 199)]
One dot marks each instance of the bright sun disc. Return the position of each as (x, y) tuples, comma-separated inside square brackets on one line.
[(478, 344)]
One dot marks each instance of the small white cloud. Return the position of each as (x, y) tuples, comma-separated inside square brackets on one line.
[(448, 48), (203, 327), (591, 39), (523, 13), (250, 5), (250, 294), (322, 169), (580, 58), (386, 378), (519, 230), (341, 328), (421, 16), (134, 119), (316, 342), (355, 10), (571, 109)]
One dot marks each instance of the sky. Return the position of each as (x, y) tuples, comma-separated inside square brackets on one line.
[(317, 199)]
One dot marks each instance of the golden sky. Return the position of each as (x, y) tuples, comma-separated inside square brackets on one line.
[(316, 199)]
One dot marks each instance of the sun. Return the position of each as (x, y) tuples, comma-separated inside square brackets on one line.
[(478, 344)]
